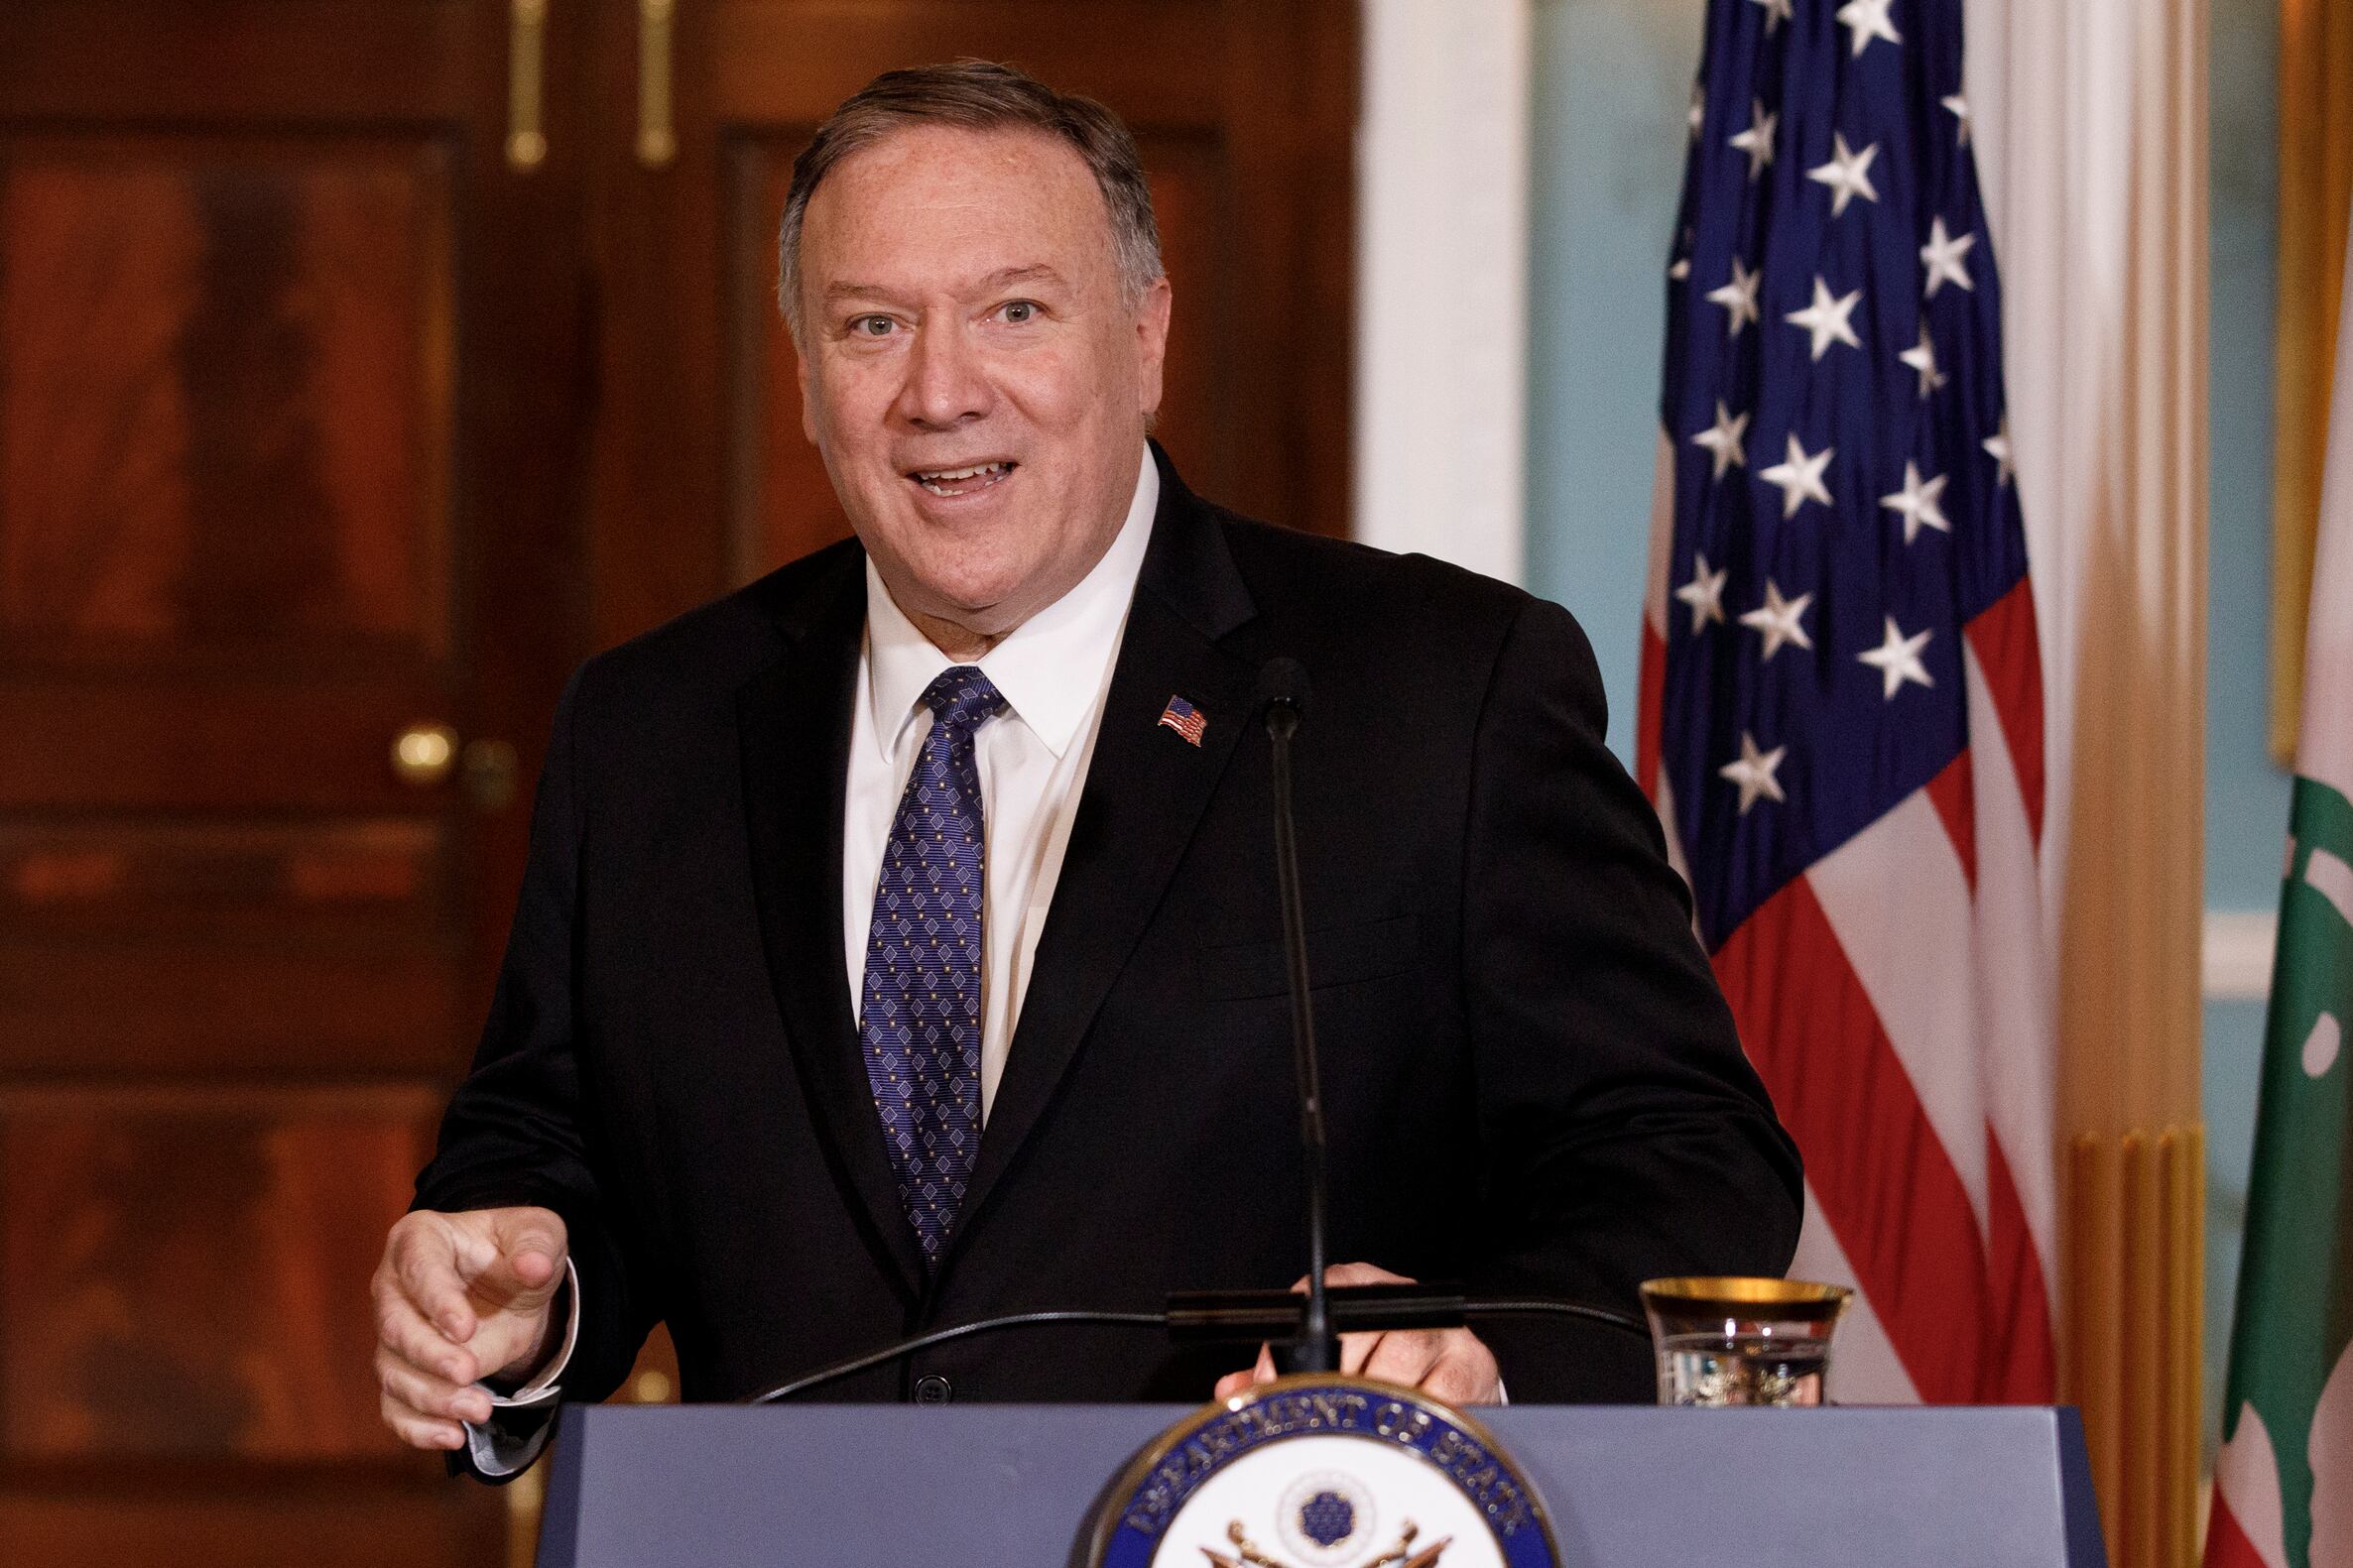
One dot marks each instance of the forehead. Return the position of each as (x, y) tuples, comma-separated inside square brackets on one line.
[(928, 198)]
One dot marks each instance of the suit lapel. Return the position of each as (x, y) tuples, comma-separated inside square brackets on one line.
[(1145, 789), (795, 721)]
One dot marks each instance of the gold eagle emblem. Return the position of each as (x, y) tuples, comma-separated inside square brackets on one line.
[(1402, 1555)]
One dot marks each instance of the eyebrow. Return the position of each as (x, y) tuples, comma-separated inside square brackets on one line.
[(1034, 272)]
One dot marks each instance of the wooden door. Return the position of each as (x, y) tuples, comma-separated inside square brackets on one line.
[(290, 433), (1243, 111), (343, 406)]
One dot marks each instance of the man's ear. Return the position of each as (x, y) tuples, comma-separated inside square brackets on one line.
[(1152, 345), (808, 393)]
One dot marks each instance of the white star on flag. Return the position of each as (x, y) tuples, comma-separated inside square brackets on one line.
[(1697, 116), (1754, 771), (1705, 593), (1869, 19), (1776, 13), (1738, 296), (1847, 174), (1799, 478), (1726, 439), (1942, 256), (1922, 503), (1997, 447), (1778, 617), (1960, 111), (1756, 140), (1897, 660), (1923, 360), (1827, 319)]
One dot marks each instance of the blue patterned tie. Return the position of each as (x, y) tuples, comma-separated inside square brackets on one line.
[(919, 1022)]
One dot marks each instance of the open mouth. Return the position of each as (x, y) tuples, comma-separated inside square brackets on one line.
[(963, 481)]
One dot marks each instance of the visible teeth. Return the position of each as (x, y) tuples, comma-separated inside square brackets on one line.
[(932, 479)]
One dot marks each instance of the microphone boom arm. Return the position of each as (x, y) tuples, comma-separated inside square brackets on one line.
[(1241, 1317)]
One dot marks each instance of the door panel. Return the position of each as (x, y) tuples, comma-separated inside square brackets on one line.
[(327, 423), (176, 1268), (348, 1524), (254, 453), (264, 878), (164, 1005), (291, 401)]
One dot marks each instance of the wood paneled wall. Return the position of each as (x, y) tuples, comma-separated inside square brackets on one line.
[(324, 421)]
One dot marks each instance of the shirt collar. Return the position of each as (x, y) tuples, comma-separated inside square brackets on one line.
[(1050, 668)]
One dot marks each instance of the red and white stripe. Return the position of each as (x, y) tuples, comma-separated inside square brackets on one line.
[(1896, 1000)]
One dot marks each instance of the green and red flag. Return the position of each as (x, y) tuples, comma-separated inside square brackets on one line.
[(2284, 1482)]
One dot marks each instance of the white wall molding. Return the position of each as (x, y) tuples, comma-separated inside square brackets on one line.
[(1441, 281), (2237, 958)]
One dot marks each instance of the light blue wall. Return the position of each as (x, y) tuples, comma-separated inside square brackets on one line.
[(1611, 81), (2246, 796)]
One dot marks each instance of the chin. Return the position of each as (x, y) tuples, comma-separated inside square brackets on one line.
[(955, 588), (981, 606)]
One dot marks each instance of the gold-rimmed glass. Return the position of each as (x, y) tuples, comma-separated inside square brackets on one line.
[(1736, 1340)]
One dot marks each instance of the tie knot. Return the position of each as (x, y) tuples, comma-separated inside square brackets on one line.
[(962, 697)]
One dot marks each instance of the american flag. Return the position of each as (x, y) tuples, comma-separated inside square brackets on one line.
[(1186, 719), (1842, 698)]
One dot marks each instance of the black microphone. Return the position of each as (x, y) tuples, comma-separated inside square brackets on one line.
[(1283, 692), (1283, 681)]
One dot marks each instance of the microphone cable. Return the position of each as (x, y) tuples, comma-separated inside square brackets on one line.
[(1535, 1307), (986, 1325)]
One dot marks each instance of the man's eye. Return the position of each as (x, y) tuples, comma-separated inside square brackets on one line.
[(1020, 310), (872, 326)]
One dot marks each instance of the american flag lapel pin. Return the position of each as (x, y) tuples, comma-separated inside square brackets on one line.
[(1186, 719)]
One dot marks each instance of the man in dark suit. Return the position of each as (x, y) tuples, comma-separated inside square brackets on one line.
[(899, 945)]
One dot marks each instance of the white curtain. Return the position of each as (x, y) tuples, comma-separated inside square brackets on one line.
[(2090, 123)]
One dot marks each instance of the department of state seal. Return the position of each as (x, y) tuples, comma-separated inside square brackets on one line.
[(1317, 1471)]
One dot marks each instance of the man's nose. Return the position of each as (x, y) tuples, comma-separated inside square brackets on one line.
[(946, 383)]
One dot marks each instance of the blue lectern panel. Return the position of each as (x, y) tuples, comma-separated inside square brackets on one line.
[(981, 1486)]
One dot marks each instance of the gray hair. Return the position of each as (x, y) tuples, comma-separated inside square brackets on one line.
[(979, 95)]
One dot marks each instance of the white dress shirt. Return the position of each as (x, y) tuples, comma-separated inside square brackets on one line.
[(1054, 670)]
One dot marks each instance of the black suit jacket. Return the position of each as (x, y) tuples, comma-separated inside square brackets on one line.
[(1530, 1080)]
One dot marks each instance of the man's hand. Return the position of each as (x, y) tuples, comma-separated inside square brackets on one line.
[(1452, 1364), (461, 1296)]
